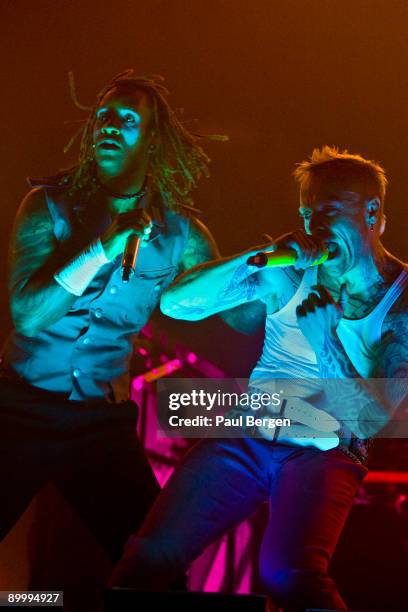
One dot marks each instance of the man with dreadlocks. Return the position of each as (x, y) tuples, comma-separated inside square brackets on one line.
[(66, 416)]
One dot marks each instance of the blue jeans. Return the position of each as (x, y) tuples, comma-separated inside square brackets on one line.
[(218, 485)]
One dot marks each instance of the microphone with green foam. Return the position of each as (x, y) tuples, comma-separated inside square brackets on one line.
[(279, 258)]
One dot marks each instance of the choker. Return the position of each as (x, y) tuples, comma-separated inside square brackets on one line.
[(122, 196)]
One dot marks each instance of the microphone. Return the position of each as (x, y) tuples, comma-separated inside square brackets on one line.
[(129, 257), (279, 259)]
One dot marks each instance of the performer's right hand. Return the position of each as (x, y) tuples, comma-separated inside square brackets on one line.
[(308, 248), (123, 225)]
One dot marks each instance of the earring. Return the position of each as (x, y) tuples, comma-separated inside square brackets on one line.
[(372, 223)]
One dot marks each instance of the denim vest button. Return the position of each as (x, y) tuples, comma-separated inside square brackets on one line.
[(76, 373), (113, 290), (98, 313)]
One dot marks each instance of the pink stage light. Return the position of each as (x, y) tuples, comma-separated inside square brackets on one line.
[(138, 383), (155, 373)]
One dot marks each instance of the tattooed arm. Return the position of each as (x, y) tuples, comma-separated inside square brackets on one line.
[(359, 404), (201, 248), (362, 406), (392, 364), (217, 285), (36, 299)]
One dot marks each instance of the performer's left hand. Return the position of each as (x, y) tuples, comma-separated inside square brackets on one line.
[(319, 314)]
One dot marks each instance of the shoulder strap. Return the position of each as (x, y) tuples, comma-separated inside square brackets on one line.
[(392, 294)]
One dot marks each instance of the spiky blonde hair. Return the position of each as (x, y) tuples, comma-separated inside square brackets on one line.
[(329, 163)]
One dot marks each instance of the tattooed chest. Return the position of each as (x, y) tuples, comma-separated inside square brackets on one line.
[(358, 307)]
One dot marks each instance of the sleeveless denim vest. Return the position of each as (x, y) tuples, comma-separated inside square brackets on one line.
[(86, 353)]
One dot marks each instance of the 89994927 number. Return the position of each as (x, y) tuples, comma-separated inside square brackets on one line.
[(31, 598)]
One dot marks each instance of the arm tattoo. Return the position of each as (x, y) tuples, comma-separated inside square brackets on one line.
[(240, 286), (32, 245), (333, 361), (392, 363), (201, 253), (351, 400), (200, 248)]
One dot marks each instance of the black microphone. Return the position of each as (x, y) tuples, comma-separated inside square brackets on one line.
[(130, 257), (279, 258)]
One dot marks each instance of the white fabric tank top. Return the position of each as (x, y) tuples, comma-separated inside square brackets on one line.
[(286, 352)]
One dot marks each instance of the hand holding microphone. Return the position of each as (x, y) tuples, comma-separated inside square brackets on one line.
[(296, 249), (125, 235)]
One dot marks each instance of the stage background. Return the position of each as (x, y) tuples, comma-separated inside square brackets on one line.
[(280, 78)]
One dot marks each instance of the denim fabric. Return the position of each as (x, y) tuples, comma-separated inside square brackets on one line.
[(219, 484)]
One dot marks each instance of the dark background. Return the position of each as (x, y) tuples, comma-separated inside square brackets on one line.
[(279, 77)]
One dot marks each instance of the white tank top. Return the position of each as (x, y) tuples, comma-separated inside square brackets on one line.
[(287, 354)]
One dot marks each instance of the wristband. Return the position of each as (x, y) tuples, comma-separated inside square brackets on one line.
[(78, 273)]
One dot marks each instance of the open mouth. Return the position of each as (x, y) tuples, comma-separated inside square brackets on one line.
[(108, 145)]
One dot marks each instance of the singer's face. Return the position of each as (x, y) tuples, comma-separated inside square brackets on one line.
[(123, 130), (338, 219)]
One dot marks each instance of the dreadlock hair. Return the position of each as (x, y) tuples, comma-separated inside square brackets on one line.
[(178, 161), (351, 172)]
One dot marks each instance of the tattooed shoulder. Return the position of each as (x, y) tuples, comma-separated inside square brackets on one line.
[(200, 247), (396, 320), (393, 349), (33, 237), (33, 216)]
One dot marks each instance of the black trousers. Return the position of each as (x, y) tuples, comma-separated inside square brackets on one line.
[(88, 450)]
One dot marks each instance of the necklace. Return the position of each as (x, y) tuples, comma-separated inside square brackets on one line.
[(122, 196)]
